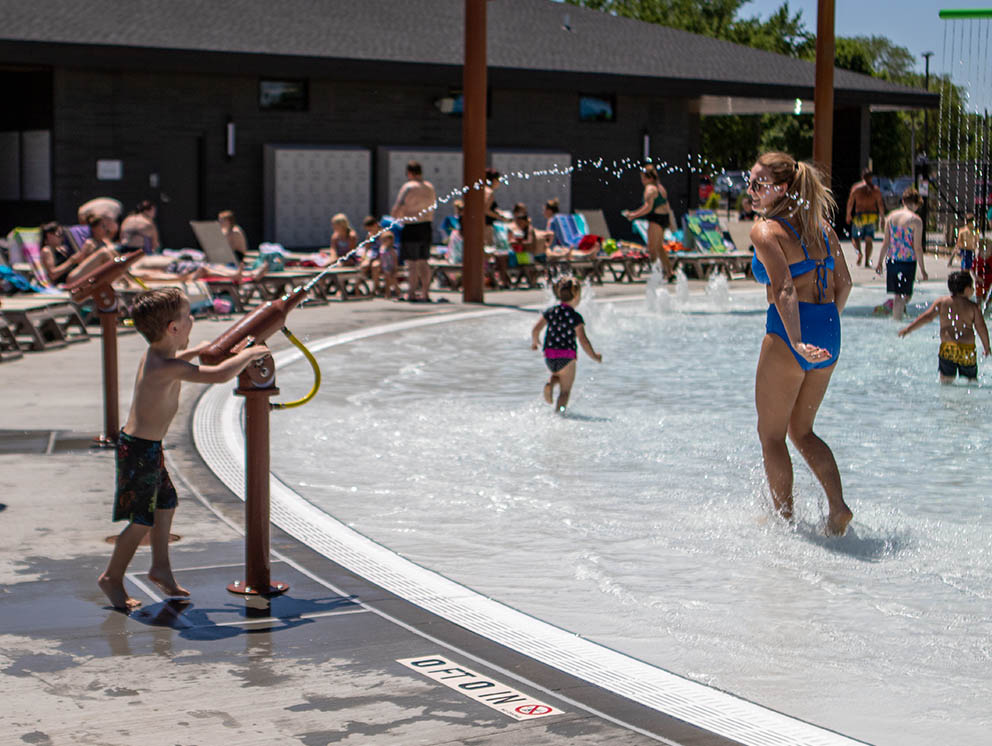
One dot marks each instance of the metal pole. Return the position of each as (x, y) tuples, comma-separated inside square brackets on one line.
[(474, 149), (926, 151), (823, 95), (108, 339)]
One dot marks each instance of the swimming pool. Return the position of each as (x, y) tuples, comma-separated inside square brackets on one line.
[(640, 519)]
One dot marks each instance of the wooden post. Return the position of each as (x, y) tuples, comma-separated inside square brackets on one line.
[(474, 149), (823, 95)]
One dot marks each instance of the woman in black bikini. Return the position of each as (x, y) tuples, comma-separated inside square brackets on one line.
[(658, 213)]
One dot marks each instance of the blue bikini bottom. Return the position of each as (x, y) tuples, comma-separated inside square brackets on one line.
[(819, 324)]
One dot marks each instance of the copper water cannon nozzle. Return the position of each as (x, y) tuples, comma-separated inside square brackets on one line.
[(102, 277), (255, 327)]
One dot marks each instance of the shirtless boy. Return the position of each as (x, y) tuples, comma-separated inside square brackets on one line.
[(960, 318), (415, 205), (145, 496), (965, 244), (864, 208)]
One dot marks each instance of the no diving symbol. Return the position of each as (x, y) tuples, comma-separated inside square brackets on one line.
[(533, 709)]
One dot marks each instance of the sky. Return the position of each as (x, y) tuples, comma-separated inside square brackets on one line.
[(913, 24)]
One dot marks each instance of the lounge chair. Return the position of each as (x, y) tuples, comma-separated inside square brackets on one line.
[(10, 349), (632, 261), (711, 248)]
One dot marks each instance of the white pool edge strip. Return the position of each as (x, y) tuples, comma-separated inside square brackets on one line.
[(219, 438)]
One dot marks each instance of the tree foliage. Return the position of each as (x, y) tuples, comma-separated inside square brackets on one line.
[(735, 141)]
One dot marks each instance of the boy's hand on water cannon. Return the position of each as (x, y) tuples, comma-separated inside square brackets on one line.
[(257, 352)]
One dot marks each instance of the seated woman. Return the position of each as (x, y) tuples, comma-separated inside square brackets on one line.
[(57, 258), (343, 238), (99, 249), (234, 235), (138, 231), (452, 223)]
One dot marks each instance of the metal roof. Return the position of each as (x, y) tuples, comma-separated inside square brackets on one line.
[(524, 37)]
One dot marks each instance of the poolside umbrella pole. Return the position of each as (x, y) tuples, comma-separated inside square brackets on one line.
[(97, 285), (257, 384)]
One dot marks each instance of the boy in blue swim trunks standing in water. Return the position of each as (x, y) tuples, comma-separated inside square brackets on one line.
[(145, 496), (565, 325)]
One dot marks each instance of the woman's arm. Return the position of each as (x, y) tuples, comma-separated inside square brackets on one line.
[(842, 275), (771, 254), (53, 270), (650, 192), (352, 240)]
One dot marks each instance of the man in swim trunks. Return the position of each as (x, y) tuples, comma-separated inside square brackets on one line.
[(965, 244), (960, 318), (864, 207), (415, 205)]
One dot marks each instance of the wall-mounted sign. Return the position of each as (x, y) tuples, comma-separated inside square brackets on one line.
[(109, 170)]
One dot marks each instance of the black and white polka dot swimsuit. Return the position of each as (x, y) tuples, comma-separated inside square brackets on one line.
[(559, 340)]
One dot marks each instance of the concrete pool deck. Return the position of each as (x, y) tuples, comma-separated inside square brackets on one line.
[(319, 665)]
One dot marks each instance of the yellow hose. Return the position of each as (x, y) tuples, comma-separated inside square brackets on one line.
[(316, 374), (138, 280)]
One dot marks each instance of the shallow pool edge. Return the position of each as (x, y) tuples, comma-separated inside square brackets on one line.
[(219, 438)]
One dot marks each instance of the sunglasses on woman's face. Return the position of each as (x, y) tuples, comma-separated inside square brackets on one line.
[(756, 185)]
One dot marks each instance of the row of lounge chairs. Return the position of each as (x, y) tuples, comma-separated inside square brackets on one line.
[(48, 319)]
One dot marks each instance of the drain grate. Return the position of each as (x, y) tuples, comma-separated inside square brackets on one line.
[(43, 441)]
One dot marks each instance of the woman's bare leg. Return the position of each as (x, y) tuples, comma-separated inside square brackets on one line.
[(777, 383), (817, 453), (656, 248)]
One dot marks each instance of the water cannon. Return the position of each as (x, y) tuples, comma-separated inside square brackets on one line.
[(256, 384), (98, 283), (255, 328)]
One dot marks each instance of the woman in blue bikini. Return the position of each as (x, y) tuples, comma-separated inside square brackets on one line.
[(798, 256)]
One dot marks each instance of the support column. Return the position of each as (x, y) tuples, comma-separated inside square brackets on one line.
[(474, 149), (823, 95)]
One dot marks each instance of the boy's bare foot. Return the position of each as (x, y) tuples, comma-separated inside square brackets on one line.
[(117, 595), (837, 522), (548, 391), (167, 583)]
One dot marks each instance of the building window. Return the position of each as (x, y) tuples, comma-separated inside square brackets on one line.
[(283, 95), (597, 108)]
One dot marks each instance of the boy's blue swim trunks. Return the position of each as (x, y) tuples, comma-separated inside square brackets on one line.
[(143, 484)]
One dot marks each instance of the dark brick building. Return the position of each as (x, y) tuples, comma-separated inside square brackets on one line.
[(178, 99)]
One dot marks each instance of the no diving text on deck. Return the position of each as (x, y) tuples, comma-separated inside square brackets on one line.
[(517, 705)]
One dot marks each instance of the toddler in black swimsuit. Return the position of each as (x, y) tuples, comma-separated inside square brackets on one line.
[(565, 326)]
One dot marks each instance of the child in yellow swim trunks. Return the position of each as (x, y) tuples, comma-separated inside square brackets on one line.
[(960, 319)]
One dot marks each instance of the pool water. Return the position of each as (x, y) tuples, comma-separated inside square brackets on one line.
[(641, 519)]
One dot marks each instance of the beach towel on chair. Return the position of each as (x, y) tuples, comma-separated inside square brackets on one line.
[(29, 241), (568, 232), (704, 228)]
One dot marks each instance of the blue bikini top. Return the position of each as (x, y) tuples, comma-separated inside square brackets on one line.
[(799, 268)]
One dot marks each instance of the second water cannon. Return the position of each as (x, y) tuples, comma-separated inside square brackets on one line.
[(98, 283), (255, 328)]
